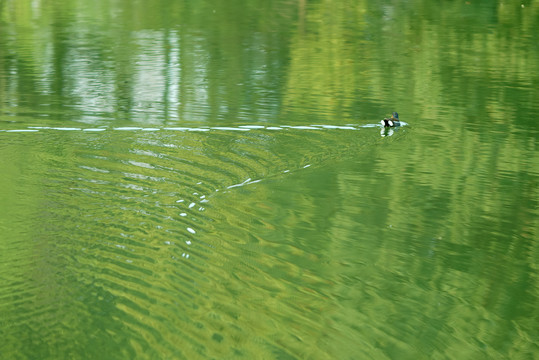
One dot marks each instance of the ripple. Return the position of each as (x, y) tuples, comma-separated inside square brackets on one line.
[(133, 224)]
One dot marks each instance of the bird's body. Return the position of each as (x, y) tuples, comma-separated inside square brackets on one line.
[(391, 122)]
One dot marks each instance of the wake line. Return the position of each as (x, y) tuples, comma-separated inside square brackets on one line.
[(34, 129)]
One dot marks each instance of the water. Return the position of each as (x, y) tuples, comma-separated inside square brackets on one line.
[(188, 180)]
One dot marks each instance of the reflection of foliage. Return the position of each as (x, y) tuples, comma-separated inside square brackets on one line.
[(468, 69), (329, 59), (116, 62), (460, 56)]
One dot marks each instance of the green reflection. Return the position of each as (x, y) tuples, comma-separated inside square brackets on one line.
[(138, 244)]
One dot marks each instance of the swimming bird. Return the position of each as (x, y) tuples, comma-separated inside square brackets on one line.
[(392, 122)]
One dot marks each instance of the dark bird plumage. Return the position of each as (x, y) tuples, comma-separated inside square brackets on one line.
[(391, 122)]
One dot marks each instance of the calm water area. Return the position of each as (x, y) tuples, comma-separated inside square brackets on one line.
[(210, 180)]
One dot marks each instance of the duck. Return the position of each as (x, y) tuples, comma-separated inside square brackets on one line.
[(391, 122)]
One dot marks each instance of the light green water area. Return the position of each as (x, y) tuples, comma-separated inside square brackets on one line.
[(209, 180)]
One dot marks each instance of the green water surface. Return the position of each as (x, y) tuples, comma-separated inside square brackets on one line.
[(209, 180)]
